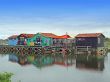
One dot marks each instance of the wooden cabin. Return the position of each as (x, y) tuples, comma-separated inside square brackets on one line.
[(63, 41), (13, 40), (47, 39), (91, 43), (22, 38), (93, 40), (41, 39)]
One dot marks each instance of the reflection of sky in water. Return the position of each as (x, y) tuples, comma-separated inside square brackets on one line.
[(54, 73)]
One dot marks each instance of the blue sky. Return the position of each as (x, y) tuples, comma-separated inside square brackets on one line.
[(56, 16)]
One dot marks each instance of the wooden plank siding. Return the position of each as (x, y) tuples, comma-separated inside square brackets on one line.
[(93, 40)]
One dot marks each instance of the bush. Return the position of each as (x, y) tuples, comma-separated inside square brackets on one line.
[(5, 77)]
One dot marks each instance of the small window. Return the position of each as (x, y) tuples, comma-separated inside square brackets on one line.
[(99, 41), (81, 39)]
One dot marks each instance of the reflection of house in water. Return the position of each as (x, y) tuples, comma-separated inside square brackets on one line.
[(43, 61), (13, 58), (23, 60), (18, 59), (39, 61), (90, 63), (64, 60)]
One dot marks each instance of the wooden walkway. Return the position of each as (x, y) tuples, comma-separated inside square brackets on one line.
[(34, 49), (51, 49), (89, 50)]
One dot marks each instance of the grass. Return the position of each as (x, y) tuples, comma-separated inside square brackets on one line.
[(5, 77), (107, 43)]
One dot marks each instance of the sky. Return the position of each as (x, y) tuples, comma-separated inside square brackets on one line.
[(54, 16)]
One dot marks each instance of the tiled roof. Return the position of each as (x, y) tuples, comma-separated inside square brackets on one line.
[(51, 35), (13, 36), (64, 36), (27, 35), (89, 35)]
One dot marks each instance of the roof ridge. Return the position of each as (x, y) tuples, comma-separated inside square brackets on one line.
[(89, 35)]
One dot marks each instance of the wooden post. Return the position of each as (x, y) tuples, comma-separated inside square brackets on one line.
[(87, 48)]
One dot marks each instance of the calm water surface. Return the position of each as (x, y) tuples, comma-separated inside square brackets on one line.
[(56, 68)]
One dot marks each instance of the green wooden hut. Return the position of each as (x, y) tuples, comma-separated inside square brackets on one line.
[(41, 39)]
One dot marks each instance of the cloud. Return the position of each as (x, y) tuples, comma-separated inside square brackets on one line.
[(57, 25)]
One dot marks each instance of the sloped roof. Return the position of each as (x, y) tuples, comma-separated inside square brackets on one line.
[(64, 36), (51, 35), (89, 35), (13, 36), (27, 35)]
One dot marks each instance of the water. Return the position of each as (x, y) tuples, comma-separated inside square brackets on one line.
[(56, 68)]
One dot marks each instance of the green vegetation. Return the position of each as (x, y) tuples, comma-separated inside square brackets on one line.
[(5, 77), (107, 43)]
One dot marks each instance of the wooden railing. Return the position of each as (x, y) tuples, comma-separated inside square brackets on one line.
[(83, 48)]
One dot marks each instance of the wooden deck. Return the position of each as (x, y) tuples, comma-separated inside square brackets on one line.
[(39, 50), (34, 49), (89, 50)]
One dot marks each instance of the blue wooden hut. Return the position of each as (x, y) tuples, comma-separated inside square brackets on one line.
[(13, 40)]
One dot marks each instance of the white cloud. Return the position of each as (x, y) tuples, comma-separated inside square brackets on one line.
[(58, 26)]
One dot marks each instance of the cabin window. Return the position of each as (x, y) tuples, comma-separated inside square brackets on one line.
[(54, 41), (99, 41), (14, 38), (81, 39), (38, 39), (25, 39), (22, 38), (46, 41), (29, 39)]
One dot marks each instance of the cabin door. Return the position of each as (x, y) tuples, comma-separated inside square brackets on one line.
[(38, 40)]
